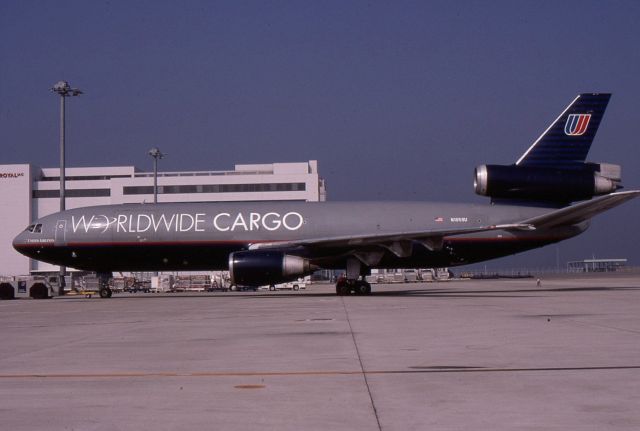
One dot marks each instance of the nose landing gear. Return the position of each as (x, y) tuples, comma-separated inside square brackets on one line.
[(105, 291)]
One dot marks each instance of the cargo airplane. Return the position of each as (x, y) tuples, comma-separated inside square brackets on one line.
[(548, 195)]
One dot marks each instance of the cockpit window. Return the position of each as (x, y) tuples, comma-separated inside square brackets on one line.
[(34, 228)]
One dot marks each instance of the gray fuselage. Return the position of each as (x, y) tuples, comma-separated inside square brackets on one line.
[(200, 236)]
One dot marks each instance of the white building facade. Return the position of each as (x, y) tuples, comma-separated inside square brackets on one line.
[(29, 192)]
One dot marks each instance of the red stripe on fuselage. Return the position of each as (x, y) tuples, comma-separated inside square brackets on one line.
[(161, 243), (506, 239), (248, 242)]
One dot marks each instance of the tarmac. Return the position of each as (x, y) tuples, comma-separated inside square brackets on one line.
[(458, 355)]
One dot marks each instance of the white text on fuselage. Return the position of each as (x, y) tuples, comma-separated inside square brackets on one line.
[(188, 222)]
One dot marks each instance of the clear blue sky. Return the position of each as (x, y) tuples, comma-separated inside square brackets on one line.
[(396, 100)]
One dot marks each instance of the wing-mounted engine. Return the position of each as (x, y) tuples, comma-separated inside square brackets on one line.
[(263, 267), (547, 184)]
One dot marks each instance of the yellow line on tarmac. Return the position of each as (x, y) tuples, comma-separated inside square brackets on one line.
[(179, 374), (416, 370)]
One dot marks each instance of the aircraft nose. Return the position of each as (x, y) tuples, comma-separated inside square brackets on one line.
[(20, 242), (25, 243)]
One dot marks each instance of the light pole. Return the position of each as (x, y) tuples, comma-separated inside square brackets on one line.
[(64, 90), (156, 154)]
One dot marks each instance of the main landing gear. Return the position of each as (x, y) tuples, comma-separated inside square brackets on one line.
[(345, 286), (354, 281)]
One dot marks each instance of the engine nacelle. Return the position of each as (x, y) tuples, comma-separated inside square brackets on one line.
[(264, 267), (545, 184)]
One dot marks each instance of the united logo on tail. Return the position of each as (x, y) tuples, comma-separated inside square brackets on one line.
[(576, 124)]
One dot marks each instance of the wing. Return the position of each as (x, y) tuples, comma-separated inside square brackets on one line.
[(401, 243), (398, 243), (582, 211)]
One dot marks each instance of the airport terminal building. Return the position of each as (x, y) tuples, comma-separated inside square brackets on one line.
[(30, 192)]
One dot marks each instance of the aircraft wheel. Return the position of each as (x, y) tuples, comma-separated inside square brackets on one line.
[(39, 291), (6, 291), (363, 288)]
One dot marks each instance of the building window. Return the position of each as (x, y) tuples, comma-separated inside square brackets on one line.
[(84, 177), (216, 188), (139, 190), (72, 193)]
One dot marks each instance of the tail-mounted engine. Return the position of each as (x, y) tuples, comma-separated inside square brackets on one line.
[(546, 183), (264, 267)]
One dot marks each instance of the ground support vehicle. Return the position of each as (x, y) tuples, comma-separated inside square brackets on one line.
[(36, 287)]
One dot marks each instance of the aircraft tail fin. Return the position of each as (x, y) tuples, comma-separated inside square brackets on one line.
[(554, 171), (567, 140)]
